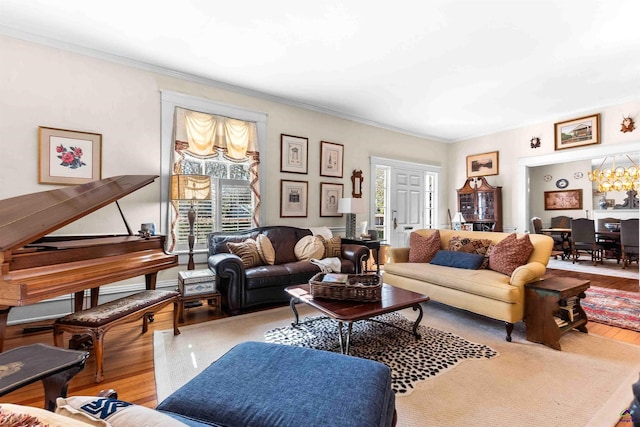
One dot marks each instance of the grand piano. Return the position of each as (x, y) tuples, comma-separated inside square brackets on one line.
[(36, 266)]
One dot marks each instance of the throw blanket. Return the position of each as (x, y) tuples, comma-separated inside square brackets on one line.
[(327, 265), (321, 231)]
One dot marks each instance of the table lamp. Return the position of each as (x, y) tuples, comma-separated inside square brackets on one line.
[(457, 221), (190, 187), (351, 206)]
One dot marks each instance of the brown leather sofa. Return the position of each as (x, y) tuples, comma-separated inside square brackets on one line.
[(243, 288)]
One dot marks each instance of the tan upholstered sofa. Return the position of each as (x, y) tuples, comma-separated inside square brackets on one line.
[(481, 291)]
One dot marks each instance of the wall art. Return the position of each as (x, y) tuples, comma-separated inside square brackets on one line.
[(577, 132), (484, 164), (330, 194), (563, 200), (331, 159), (294, 155), (68, 156), (293, 199)]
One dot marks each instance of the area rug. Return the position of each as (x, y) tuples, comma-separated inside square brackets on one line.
[(588, 383), (384, 339), (613, 307)]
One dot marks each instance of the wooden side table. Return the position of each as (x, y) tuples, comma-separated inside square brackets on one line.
[(213, 299), (552, 308), (54, 366)]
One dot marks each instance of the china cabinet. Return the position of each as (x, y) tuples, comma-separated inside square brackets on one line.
[(481, 204)]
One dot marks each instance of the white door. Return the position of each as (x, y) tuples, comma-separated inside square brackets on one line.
[(407, 205)]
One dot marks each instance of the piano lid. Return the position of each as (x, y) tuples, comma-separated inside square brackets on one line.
[(24, 219)]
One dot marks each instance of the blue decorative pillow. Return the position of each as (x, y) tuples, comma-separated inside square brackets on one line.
[(458, 259)]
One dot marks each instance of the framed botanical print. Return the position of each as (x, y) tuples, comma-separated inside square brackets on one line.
[(330, 194), (331, 159), (294, 155), (68, 156), (293, 199)]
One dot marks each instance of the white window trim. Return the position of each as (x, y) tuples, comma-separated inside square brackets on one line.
[(169, 101)]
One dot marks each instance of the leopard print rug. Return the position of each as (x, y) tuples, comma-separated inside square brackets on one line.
[(410, 360)]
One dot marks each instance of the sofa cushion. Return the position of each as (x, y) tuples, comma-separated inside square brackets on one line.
[(458, 259), (510, 253), (423, 249), (333, 247), (265, 250), (309, 247), (473, 246), (247, 251), (102, 411)]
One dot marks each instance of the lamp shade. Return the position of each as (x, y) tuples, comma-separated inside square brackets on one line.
[(190, 187), (458, 218), (351, 205)]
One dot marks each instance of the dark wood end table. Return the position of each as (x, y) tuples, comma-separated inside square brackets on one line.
[(213, 299), (393, 299), (54, 366), (552, 308)]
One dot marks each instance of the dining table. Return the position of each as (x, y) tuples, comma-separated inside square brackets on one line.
[(611, 242), (565, 235)]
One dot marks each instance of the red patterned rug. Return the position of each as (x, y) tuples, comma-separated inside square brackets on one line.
[(613, 307)]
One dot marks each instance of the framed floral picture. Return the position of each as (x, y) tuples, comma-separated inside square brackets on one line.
[(293, 199), (577, 132), (331, 159), (68, 156), (330, 194), (294, 156)]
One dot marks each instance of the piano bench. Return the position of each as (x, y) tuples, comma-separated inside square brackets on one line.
[(96, 321)]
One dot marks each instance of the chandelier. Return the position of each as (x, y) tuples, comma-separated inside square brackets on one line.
[(616, 178)]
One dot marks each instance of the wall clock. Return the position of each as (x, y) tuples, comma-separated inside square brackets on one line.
[(562, 183)]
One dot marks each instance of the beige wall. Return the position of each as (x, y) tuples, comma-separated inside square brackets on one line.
[(44, 86), (514, 151)]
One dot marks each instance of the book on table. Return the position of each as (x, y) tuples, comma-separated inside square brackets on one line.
[(335, 278)]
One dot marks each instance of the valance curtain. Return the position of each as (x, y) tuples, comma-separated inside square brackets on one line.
[(208, 136)]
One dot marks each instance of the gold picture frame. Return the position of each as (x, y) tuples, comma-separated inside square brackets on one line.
[(485, 164), (68, 157), (563, 200), (577, 132)]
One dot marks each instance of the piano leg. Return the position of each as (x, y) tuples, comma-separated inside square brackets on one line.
[(4, 314), (150, 281)]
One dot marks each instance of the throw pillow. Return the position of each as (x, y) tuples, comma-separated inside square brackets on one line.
[(309, 247), (510, 253), (265, 250), (423, 249), (333, 247), (472, 246), (458, 259), (247, 251), (101, 411)]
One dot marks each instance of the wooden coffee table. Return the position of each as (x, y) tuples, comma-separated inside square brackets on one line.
[(393, 299)]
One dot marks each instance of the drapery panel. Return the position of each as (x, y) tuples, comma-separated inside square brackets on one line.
[(208, 137)]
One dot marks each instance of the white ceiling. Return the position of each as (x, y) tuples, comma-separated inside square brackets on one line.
[(445, 69)]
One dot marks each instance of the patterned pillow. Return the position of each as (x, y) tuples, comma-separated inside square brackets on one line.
[(333, 247), (473, 246), (510, 254), (247, 251), (101, 411), (265, 249), (309, 247), (423, 249)]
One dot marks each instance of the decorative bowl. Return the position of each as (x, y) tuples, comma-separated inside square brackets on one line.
[(612, 226)]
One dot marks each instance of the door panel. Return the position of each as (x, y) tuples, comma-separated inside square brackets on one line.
[(407, 204)]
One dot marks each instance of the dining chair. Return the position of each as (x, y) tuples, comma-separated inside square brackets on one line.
[(561, 222), (602, 221), (629, 241), (583, 239), (610, 244), (536, 225)]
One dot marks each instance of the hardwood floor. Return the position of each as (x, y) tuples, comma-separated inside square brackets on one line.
[(128, 357)]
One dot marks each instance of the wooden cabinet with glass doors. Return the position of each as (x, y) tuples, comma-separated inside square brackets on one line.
[(481, 204)]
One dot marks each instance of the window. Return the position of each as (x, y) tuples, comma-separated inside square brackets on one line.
[(213, 169)]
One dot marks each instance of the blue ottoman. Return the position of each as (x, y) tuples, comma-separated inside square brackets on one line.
[(263, 384)]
